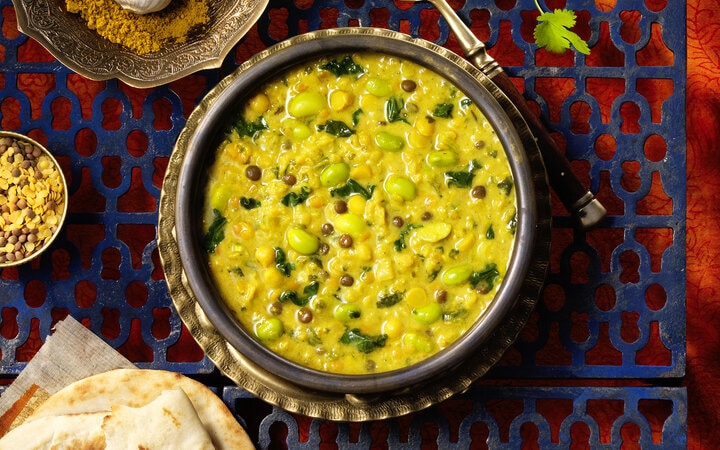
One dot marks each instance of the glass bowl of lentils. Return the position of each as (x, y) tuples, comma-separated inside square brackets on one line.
[(33, 199)]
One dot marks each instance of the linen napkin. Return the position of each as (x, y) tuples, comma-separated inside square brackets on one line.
[(72, 352)]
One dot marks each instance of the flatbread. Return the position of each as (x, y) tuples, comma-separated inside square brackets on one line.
[(167, 423), (136, 388), (69, 432)]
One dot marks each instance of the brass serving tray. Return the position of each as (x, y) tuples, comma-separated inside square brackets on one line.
[(279, 391), (67, 37)]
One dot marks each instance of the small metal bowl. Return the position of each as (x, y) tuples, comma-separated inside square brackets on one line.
[(312, 392), (67, 37), (24, 222)]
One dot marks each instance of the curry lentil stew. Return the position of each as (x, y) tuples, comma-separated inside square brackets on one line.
[(360, 214)]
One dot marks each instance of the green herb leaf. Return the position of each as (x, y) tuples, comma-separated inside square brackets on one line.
[(443, 110), (462, 179), (386, 301), (336, 128), (216, 232), (394, 110), (364, 343), (353, 187), (295, 198), (308, 292), (281, 262), (399, 243), (553, 32), (486, 278), (237, 271), (346, 66), (356, 117), (249, 203), (506, 185), (250, 129), (490, 233)]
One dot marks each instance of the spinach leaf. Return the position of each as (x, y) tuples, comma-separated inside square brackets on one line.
[(353, 187), (295, 198), (394, 110), (386, 301), (490, 233), (506, 185), (364, 343), (336, 128), (249, 203), (308, 292), (250, 129), (485, 279), (356, 116), (346, 66), (281, 262), (215, 233), (462, 179), (443, 110)]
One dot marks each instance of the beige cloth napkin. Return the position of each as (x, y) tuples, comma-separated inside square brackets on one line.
[(70, 353)]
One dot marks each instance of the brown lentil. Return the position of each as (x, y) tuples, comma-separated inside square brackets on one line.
[(341, 207), (408, 85), (253, 173), (304, 315), (327, 228), (478, 192), (32, 199), (427, 215), (398, 221), (289, 179), (346, 280), (345, 241)]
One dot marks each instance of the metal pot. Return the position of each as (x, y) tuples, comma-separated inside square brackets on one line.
[(311, 392)]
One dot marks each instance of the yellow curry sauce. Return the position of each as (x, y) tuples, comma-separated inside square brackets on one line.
[(360, 214)]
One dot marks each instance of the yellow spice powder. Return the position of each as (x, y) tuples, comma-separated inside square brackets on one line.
[(142, 33)]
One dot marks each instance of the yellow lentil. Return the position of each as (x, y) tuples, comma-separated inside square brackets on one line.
[(146, 33)]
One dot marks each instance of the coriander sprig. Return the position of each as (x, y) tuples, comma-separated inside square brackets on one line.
[(553, 33)]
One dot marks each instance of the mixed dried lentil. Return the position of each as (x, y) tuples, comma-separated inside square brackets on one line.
[(31, 199), (360, 215)]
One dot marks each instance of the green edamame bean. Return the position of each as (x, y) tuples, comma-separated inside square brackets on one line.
[(378, 87), (388, 141), (400, 186), (346, 311), (334, 174), (419, 343), (269, 329), (428, 313), (219, 196), (301, 241), (456, 275), (306, 103), (351, 224), (442, 158)]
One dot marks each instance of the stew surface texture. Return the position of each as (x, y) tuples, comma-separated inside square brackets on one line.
[(360, 214)]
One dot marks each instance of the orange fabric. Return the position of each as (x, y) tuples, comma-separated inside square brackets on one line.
[(703, 215)]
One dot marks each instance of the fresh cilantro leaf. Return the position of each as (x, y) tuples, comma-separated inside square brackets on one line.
[(346, 66), (295, 198), (216, 232), (553, 33), (353, 187), (336, 128), (505, 185), (249, 203), (364, 343)]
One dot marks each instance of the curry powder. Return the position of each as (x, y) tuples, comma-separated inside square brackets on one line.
[(146, 33)]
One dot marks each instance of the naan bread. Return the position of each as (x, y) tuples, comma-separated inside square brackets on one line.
[(167, 423), (136, 388), (71, 432)]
